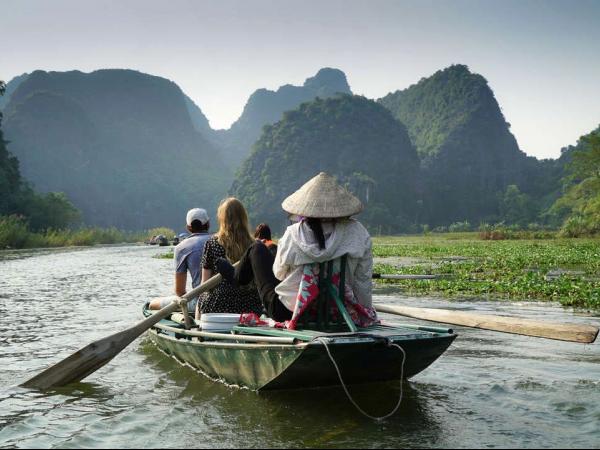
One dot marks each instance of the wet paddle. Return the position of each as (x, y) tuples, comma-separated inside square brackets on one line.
[(585, 334), (95, 355)]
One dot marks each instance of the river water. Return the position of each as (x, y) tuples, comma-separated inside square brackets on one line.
[(489, 389)]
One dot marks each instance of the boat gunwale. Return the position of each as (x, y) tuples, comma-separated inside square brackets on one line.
[(345, 339), (227, 337), (200, 339), (221, 344)]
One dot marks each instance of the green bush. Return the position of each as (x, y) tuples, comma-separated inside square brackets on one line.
[(458, 227), (13, 232), (501, 231), (574, 226)]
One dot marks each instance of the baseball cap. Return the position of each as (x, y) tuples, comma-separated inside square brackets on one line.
[(197, 214)]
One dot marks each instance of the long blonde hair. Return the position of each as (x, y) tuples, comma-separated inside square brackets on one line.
[(234, 231)]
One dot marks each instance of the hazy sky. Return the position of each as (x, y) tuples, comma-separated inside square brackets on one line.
[(541, 58)]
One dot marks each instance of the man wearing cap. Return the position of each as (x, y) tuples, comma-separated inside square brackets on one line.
[(188, 255)]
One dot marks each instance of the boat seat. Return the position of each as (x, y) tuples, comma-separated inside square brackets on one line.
[(317, 319), (318, 316)]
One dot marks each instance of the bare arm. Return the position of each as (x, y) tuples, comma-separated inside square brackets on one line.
[(206, 274), (180, 283)]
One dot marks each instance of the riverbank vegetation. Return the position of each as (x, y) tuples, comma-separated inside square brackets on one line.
[(560, 269), (16, 234)]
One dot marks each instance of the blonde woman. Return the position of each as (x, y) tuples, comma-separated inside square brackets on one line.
[(325, 231), (230, 242)]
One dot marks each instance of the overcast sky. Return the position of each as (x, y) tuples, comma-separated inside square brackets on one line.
[(541, 58)]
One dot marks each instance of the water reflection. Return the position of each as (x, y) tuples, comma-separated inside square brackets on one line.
[(314, 418), (501, 390)]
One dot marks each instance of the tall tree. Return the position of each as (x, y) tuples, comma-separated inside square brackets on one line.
[(581, 202), (10, 178)]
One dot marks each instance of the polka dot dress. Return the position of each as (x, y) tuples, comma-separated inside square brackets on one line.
[(226, 298)]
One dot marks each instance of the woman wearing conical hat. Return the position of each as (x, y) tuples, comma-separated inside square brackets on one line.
[(324, 231)]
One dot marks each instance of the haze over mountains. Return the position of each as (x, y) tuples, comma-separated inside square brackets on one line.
[(133, 151), (119, 143), (265, 107)]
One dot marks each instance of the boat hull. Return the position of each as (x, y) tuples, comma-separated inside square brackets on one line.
[(245, 365), (363, 357), (359, 363)]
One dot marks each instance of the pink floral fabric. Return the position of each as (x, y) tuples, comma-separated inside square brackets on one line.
[(308, 293)]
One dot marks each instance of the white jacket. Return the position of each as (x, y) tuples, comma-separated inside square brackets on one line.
[(298, 246)]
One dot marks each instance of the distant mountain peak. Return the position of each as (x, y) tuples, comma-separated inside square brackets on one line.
[(333, 80), (265, 107), (440, 104), (459, 131)]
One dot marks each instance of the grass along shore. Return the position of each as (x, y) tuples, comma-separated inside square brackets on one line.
[(15, 234), (564, 270)]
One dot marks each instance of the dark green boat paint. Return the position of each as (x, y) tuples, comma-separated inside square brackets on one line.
[(363, 357)]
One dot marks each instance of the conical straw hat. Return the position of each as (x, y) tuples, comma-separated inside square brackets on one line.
[(322, 197)]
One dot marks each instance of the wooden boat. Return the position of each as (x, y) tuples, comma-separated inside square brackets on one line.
[(264, 358), (286, 359)]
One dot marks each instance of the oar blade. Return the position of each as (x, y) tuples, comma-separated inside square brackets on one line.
[(95, 355), (81, 363), (585, 334)]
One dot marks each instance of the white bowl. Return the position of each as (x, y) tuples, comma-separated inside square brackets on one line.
[(223, 318)]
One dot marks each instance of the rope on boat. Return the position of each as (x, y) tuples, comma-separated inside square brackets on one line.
[(390, 343)]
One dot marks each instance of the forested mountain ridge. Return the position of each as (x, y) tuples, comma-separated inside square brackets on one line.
[(120, 143), (132, 150), (468, 154), (265, 107), (17, 199), (350, 137), (436, 106), (11, 87), (578, 208), (10, 178)]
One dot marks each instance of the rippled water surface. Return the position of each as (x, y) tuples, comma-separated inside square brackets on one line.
[(489, 389)]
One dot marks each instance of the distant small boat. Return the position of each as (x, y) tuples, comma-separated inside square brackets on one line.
[(159, 239)]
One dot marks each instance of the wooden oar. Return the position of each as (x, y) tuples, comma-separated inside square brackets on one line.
[(95, 355), (385, 276), (585, 334)]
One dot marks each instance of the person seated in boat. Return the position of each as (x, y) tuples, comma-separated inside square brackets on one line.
[(324, 231), (263, 234), (187, 256), (229, 244)]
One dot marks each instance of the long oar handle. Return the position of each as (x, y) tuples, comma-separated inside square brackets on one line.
[(585, 334), (178, 302), (209, 284)]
